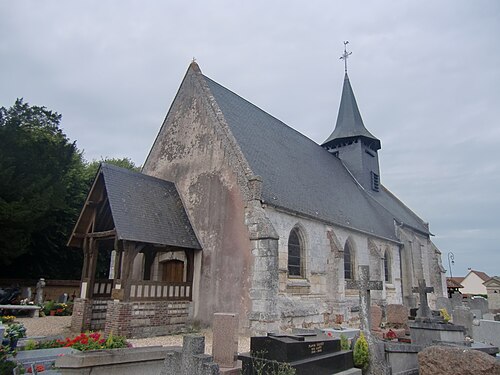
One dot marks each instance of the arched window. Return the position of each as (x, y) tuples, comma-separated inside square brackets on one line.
[(387, 267), (348, 262), (295, 254)]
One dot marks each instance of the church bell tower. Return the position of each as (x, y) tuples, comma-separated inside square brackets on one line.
[(351, 142)]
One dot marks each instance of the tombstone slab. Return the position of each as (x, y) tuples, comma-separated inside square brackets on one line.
[(463, 316), (397, 314), (225, 339), (315, 354)]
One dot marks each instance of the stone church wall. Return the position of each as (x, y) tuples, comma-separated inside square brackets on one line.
[(319, 298), (195, 151), (420, 260)]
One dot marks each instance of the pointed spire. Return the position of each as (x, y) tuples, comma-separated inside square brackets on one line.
[(349, 122)]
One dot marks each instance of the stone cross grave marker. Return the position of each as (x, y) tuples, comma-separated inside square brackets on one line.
[(424, 311), (364, 285)]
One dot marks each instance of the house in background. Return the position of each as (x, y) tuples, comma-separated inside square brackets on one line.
[(493, 290), (473, 283)]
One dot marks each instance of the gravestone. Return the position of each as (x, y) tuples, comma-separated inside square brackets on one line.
[(456, 301), (478, 314), (45, 357), (488, 332), (364, 285), (225, 341), (63, 298), (311, 353), (478, 303), (39, 292), (424, 311), (444, 303), (397, 314), (190, 359), (463, 316)]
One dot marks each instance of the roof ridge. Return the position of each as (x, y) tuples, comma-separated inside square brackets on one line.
[(136, 173)]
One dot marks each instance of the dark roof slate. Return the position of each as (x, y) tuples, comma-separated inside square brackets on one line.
[(299, 175), (349, 122), (147, 209)]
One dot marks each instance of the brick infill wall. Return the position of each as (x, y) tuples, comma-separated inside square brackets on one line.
[(146, 318)]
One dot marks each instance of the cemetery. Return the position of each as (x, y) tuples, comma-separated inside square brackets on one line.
[(398, 341)]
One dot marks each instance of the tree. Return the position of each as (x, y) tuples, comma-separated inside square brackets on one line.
[(92, 167), (44, 181), (41, 190)]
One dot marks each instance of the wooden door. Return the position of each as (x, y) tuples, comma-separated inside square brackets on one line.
[(173, 271)]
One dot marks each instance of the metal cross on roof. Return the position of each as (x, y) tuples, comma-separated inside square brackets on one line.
[(346, 55), (424, 310)]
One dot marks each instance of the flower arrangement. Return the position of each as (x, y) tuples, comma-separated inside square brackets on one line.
[(38, 368), (84, 342), (445, 315), (58, 309), (6, 319)]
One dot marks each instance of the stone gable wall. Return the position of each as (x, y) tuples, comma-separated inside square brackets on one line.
[(196, 150)]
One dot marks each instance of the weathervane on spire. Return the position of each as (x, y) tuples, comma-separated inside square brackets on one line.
[(346, 55)]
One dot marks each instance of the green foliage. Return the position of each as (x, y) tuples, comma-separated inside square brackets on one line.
[(44, 181), (15, 331), (30, 345), (361, 352), (344, 342), (261, 366), (7, 367), (39, 193)]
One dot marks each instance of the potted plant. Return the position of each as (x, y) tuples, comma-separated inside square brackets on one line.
[(14, 332), (48, 307)]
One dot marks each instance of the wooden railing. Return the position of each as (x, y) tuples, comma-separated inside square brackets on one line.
[(141, 290), (103, 288), (155, 290)]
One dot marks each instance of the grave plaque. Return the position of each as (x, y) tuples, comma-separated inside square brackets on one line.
[(117, 294), (315, 354)]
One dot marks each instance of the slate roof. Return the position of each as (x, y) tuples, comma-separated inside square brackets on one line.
[(147, 209), (349, 122), (299, 175)]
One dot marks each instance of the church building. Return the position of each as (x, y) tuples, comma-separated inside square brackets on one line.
[(234, 211)]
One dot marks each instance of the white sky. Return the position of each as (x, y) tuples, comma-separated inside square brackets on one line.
[(426, 75)]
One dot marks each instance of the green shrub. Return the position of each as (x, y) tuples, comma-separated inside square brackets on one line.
[(344, 342), (361, 353)]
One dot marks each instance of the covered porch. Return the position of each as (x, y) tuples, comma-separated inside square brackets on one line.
[(139, 256)]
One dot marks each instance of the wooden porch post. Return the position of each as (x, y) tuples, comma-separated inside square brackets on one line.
[(190, 265), (92, 264), (130, 252)]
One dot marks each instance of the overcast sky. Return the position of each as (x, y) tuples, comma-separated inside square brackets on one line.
[(426, 75)]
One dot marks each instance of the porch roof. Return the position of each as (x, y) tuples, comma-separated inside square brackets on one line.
[(144, 209)]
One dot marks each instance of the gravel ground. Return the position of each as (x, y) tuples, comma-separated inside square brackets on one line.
[(60, 325)]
